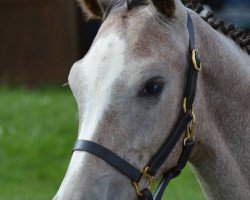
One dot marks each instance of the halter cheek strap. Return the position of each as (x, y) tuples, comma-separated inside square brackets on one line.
[(186, 117)]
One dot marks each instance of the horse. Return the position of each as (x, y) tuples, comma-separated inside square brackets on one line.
[(129, 90)]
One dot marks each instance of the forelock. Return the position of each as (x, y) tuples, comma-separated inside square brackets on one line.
[(108, 5)]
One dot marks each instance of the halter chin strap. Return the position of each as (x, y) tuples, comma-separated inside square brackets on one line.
[(186, 117)]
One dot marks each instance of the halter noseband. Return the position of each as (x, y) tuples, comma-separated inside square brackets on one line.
[(183, 125)]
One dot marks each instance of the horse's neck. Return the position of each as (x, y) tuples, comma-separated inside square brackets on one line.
[(222, 157)]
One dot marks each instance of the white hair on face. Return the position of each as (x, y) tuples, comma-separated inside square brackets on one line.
[(100, 68)]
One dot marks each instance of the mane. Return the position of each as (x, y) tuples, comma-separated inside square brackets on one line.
[(134, 3), (240, 36), (108, 5)]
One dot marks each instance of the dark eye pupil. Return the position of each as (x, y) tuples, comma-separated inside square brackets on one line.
[(153, 88)]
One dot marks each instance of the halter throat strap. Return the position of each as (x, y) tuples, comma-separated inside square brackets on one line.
[(186, 116)]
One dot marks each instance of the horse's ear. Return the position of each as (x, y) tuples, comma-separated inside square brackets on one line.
[(166, 7), (91, 8)]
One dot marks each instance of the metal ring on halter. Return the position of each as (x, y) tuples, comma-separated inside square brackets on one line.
[(193, 114), (145, 175), (189, 135), (185, 105), (196, 63), (187, 139)]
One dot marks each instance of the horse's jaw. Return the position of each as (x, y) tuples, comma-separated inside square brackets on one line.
[(84, 181)]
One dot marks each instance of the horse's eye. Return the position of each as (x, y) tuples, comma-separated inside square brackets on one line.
[(153, 88)]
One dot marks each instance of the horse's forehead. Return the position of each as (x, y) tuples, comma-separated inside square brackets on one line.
[(125, 41), (105, 57)]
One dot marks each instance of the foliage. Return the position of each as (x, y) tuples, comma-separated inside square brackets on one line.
[(37, 132)]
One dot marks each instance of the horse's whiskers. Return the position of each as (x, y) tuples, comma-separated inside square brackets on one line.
[(65, 84)]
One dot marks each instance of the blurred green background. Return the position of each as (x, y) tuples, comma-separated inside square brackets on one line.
[(37, 131)]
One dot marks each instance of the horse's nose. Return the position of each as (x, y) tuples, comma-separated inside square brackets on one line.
[(90, 178), (80, 181)]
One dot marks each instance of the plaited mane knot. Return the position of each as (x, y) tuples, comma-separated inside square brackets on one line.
[(239, 35)]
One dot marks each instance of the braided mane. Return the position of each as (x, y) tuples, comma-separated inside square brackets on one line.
[(240, 36)]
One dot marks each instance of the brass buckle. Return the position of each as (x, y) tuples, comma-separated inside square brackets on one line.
[(196, 65), (189, 134), (185, 108), (145, 175), (190, 129)]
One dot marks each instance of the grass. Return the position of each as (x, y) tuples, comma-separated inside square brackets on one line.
[(37, 132)]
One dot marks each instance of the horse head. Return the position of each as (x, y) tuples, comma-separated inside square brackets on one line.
[(130, 88)]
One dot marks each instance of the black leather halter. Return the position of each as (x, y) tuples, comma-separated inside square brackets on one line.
[(183, 125)]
